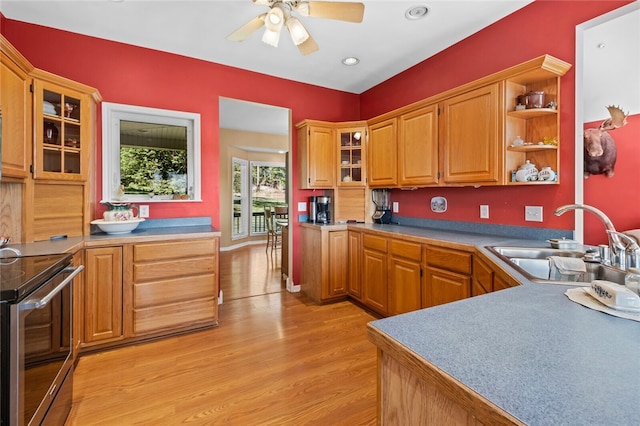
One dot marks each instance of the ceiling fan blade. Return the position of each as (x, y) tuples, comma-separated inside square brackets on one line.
[(247, 29), (308, 46), (342, 11)]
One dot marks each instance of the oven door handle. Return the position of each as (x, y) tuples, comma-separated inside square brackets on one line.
[(40, 303)]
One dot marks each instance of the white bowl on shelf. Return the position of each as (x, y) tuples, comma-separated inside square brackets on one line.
[(117, 226)]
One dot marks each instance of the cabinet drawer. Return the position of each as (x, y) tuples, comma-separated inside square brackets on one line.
[(449, 259), (175, 290), (177, 315), (406, 249), (174, 250), (374, 242), (174, 268)]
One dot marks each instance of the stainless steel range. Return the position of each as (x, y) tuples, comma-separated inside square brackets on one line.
[(36, 374)]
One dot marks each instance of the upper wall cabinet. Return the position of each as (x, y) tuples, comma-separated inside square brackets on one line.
[(471, 137), (64, 127), (15, 109), (316, 154), (351, 154), (418, 147), (382, 153)]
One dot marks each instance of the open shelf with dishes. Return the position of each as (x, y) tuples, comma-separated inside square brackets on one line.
[(532, 121)]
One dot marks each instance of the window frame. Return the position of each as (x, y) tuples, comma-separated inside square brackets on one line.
[(113, 113), (245, 198)]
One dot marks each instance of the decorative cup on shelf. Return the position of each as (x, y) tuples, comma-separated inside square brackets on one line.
[(535, 100), (68, 109), (546, 174)]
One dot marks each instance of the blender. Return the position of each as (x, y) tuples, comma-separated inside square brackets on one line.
[(382, 200)]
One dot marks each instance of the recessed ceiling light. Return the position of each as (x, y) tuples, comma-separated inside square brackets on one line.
[(350, 61), (416, 12)]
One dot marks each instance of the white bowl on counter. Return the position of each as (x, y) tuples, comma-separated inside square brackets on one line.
[(118, 226)]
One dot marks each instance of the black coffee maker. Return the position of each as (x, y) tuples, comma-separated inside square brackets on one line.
[(382, 200), (320, 209)]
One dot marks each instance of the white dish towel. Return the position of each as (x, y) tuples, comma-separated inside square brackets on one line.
[(566, 268)]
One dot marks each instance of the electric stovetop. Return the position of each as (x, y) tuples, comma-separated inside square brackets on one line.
[(19, 276)]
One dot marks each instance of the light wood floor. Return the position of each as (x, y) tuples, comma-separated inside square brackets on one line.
[(275, 359)]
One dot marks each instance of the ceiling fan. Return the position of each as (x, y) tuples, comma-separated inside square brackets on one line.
[(281, 14)]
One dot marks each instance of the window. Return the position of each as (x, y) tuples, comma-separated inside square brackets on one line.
[(240, 198), (150, 154)]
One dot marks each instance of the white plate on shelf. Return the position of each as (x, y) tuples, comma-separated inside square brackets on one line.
[(118, 226)]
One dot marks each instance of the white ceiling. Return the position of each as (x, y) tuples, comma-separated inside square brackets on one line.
[(386, 42)]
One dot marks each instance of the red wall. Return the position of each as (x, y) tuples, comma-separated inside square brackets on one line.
[(543, 27), (618, 196)]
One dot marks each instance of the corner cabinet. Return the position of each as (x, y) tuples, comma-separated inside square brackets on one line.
[(316, 154), (351, 155), (539, 128), (64, 114)]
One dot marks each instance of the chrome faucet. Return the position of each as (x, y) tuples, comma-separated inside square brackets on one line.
[(619, 250)]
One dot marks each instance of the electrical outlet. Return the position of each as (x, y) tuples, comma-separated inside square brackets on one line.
[(302, 206), (533, 213), (484, 211), (396, 207), (144, 210)]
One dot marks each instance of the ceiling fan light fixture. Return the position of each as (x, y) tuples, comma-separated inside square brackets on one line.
[(298, 32), (271, 37), (274, 19)]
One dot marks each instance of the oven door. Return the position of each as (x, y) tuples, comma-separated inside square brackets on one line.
[(41, 349)]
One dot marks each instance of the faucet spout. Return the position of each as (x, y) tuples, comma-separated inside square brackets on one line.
[(616, 245)]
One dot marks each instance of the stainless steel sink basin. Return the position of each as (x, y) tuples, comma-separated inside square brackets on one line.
[(532, 262)]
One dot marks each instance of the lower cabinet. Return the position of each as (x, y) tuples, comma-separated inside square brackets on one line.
[(100, 300), (405, 272), (354, 284), (375, 285), (325, 268), (173, 286), (138, 291), (486, 279), (447, 275)]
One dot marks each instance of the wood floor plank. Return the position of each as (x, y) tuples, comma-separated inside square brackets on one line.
[(275, 359)]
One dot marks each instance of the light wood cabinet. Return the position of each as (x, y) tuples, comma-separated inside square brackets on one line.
[(472, 137), (405, 272), (15, 110), (418, 147), (351, 155), (447, 275), (325, 266), (173, 286), (375, 293), (64, 127), (487, 279), (538, 127), (382, 153), (316, 154), (101, 298), (354, 283)]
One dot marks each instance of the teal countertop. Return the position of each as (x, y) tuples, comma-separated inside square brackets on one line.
[(528, 349)]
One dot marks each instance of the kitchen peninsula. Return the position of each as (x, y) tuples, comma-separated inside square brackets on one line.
[(523, 355)]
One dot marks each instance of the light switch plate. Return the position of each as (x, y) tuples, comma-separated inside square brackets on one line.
[(533, 213), (396, 207), (144, 211), (302, 206), (484, 211)]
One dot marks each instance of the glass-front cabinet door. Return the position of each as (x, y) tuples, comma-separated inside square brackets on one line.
[(351, 156), (62, 138)]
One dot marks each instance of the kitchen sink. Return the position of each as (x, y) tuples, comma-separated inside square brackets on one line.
[(532, 262)]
